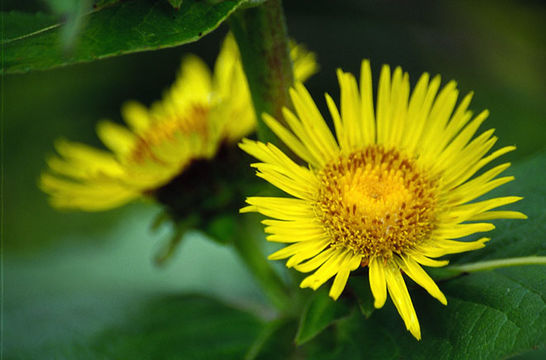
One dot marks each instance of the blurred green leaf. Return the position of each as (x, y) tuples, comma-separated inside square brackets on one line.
[(185, 327), (172, 327), (126, 27), (320, 312), (65, 303)]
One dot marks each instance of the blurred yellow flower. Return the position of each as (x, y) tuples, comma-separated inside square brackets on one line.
[(197, 114), (391, 191)]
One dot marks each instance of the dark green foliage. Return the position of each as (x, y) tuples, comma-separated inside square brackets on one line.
[(123, 28), (19, 24), (360, 287), (320, 312), (275, 341), (173, 327)]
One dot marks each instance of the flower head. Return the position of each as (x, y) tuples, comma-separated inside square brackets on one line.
[(200, 112), (392, 191)]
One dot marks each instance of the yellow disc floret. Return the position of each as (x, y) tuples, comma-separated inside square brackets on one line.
[(376, 202)]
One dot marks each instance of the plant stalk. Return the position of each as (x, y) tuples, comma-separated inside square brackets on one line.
[(260, 33), (262, 38), (497, 264)]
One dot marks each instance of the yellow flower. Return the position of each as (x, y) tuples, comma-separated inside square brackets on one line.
[(391, 191), (197, 114)]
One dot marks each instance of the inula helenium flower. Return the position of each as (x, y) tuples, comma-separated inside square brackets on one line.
[(391, 191), (199, 113)]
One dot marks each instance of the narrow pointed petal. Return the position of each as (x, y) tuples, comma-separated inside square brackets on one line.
[(378, 283), (417, 274), (401, 299)]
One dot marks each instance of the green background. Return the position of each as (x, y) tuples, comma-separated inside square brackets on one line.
[(82, 285)]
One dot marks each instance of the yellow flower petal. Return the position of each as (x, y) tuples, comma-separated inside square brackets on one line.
[(136, 116), (326, 271), (317, 261), (312, 247), (351, 262), (492, 215), (401, 299), (423, 260), (459, 231), (441, 247), (366, 103), (378, 283), (417, 274), (288, 138), (116, 137)]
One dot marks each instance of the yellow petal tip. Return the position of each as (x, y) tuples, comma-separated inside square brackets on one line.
[(378, 304), (334, 296), (247, 209)]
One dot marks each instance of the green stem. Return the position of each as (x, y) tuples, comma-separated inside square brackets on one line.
[(251, 253), (497, 264), (262, 38)]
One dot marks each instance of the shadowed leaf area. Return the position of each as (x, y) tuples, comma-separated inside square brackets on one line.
[(493, 315), (123, 28), (320, 312), (172, 327)]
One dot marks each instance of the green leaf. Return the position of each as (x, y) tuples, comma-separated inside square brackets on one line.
[(72, 12), (320, 312), (180, 327), (489, 316), (358, 340), (19, 24), (172, 327), (123, 28), (97, 4)]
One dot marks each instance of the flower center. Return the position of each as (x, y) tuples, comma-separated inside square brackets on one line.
[(166, 130), (376, 202)]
